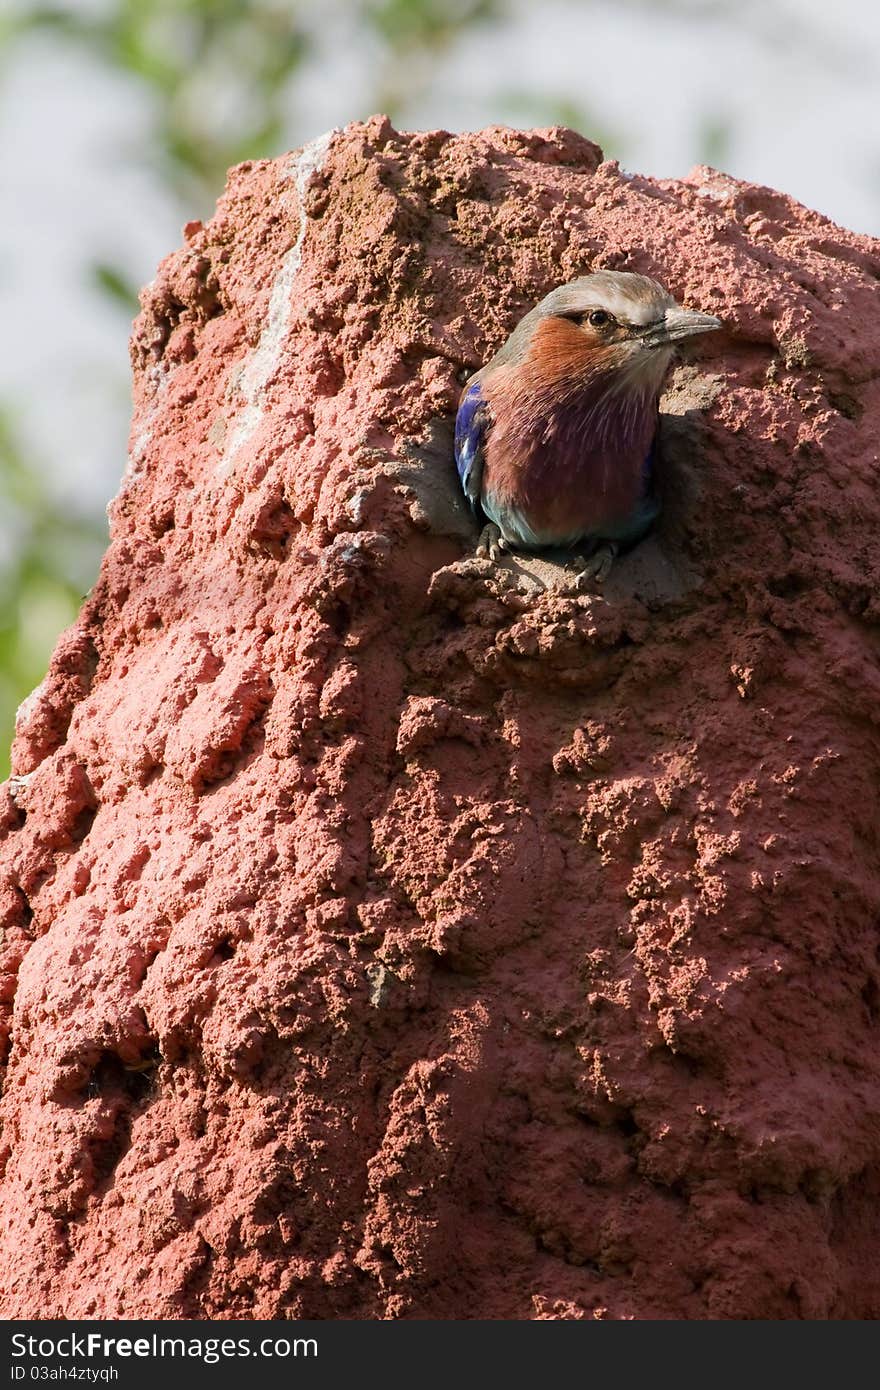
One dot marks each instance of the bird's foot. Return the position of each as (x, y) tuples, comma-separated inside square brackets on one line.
[(491, 545), (594, 569)]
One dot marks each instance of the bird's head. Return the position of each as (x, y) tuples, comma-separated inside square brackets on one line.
[(616, 323)]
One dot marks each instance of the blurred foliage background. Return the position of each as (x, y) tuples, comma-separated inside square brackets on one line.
[(219, 81)]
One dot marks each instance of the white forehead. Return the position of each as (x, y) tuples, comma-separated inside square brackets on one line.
[(632, 298)]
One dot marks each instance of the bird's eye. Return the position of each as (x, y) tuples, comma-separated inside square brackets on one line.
[(599, 319)]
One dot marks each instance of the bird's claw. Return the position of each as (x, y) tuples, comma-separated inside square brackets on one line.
[(594, 568), (491, 545)]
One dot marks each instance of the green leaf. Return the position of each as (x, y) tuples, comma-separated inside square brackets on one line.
[(116, 285)]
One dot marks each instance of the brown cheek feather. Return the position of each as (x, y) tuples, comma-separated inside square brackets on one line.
[(562, 351), (560, 348)]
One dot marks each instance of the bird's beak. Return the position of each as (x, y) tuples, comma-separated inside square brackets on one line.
[(680, 323)]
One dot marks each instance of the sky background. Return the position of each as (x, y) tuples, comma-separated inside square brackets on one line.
[(782, 92)]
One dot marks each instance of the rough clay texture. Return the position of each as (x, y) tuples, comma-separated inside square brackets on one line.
[(387, 937)]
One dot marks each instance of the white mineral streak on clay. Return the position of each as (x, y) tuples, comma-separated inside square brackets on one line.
[(250, 381), (134, 468), (28, 705)]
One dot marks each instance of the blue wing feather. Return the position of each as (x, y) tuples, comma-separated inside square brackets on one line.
[(471, 424)]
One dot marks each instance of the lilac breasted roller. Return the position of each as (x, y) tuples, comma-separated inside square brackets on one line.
[(555, 436)]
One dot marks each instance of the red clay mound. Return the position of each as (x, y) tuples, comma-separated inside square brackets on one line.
[(388, 937)]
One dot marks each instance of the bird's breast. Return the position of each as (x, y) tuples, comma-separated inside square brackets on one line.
[(567, 474)]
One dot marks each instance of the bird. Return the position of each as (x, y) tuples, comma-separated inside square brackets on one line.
[(555, 437)]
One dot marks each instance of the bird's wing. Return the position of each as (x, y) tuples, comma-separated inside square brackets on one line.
[(471, 426), (649, 481)]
